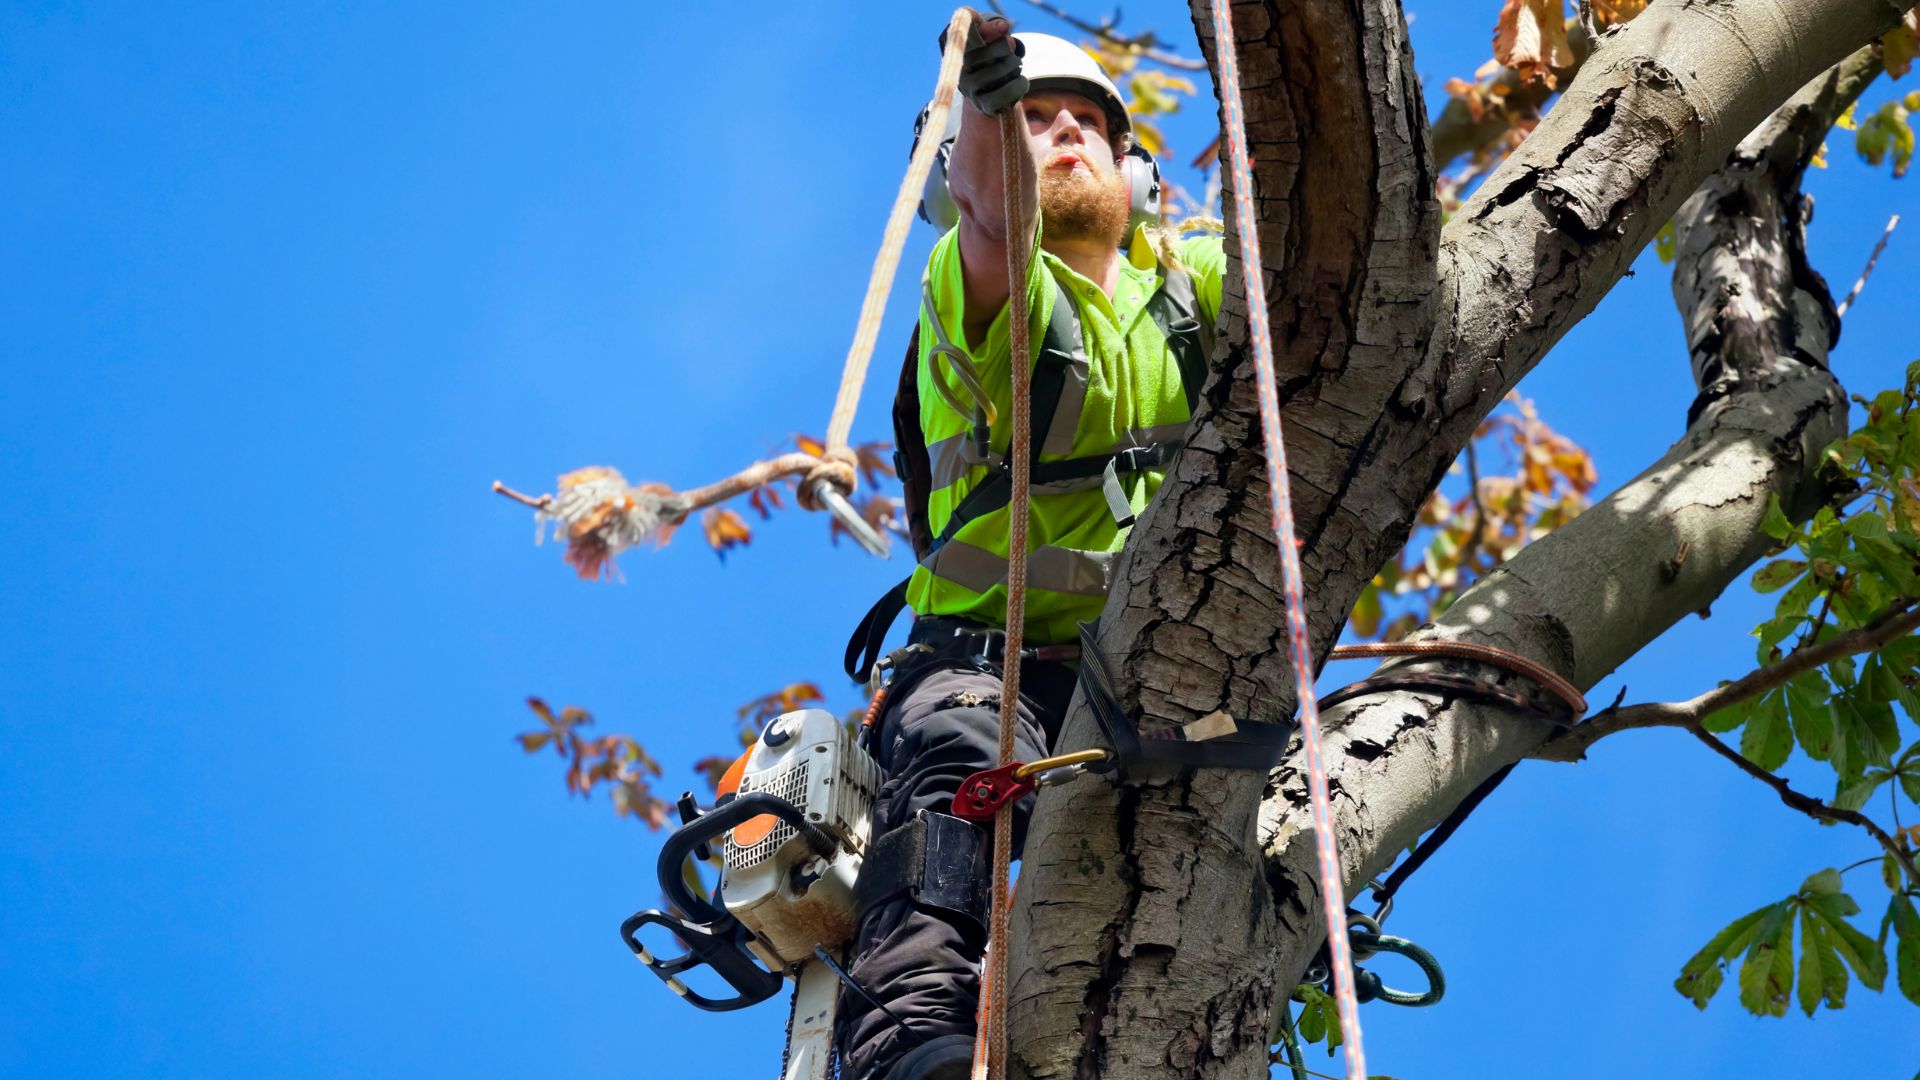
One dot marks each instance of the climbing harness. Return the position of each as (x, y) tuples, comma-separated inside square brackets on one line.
[(1173, 307)]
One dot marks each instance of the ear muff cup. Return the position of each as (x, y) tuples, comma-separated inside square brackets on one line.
[(1143, 184), (938, 209)]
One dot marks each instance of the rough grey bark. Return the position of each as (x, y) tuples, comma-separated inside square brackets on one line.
[(1149, 923), (1597, 590)]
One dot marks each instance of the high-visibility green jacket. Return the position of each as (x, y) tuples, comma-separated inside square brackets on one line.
[(1124, 390)]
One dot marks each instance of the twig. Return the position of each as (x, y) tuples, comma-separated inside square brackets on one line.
[(1143, 42), (1819, 622), (540, 503), (1854, 292), (1896, 621), (1806, 804), (1472, 546), (1589, 21), (1881, 629)]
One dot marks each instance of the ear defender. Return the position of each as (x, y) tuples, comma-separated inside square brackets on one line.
[(1143, 183), (938, 209)]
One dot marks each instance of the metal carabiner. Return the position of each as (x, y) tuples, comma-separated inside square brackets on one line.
[(980, 414)]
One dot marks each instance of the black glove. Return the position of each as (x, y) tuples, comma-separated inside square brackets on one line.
[(990, 70)]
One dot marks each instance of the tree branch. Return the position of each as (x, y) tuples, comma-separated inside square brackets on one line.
[(1807, 804), (1143, 42), (1867, 271), (1592, 593), (1656, 108), (1572, 746)]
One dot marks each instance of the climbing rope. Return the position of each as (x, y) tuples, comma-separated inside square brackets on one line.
[(1013, 160), (854, 374), (1332, 889), (1470, 650)]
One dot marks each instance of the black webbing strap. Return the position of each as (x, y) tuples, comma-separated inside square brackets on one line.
[(863, 648), (1252, 746), (1058, 346), (1174, 309), (1431, 842)]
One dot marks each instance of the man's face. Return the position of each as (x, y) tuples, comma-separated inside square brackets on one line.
[(1083, 193)]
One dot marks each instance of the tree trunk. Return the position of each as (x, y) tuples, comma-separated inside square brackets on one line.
[(1157, 918)]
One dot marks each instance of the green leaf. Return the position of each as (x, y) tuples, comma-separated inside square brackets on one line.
[(1319, 1016), (1722, 720), (1832, 906), (1861, 952), (1776, 524), (1767, 740), (1773, 632), (1822, 883), (1797, 600), (1813, 980), (1665, 244), (1822, 977), (1878, 716), (1700, 977), (1766, 976), (1777, 574), (1812, 719), (1888, 684), (1906, 925), (1855, 795)]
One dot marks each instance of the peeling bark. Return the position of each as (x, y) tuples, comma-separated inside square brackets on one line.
[(1151, 916)]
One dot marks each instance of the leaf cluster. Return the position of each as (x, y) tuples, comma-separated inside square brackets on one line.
[(1763, 942), (1850, 565), (615, 760), (1459, 539)]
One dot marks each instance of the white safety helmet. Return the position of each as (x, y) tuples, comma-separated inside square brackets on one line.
[(1052, 63)]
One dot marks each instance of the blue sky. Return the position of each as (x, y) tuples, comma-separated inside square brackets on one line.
[(285, 286)]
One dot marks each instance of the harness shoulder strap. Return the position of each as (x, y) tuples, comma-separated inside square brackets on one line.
[(910, 460), (1175, 309)]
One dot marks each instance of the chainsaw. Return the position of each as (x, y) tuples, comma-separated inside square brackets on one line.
[(790, 828)]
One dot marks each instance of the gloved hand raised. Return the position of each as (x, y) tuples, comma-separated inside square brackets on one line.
[(990, 69)]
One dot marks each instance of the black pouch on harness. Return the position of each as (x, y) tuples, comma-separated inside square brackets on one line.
[(937, 860)]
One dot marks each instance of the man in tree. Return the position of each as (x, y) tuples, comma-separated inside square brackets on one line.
[(1123, 344)]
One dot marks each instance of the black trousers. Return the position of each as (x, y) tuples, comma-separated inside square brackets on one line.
[(924, 963)]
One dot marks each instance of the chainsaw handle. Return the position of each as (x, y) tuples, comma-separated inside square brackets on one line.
[(721, 946), (709, 827)]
